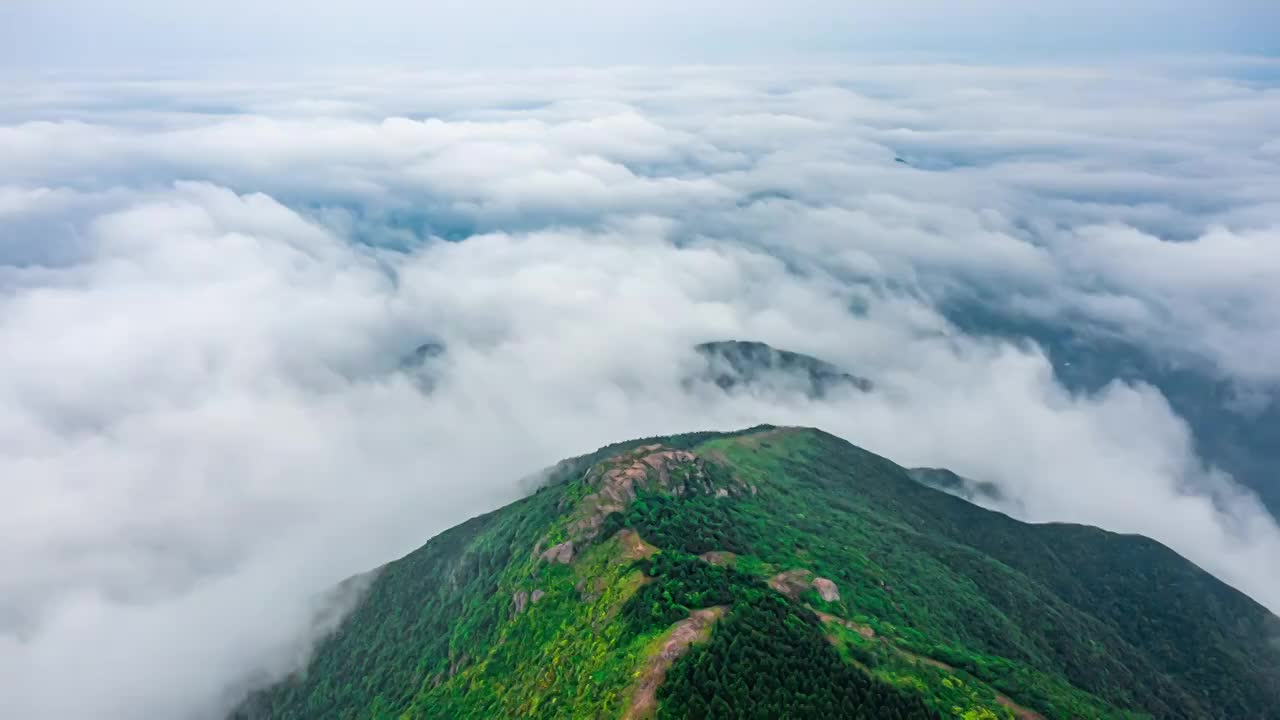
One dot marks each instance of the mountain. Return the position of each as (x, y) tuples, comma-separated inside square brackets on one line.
[(961, 487), (734, 364), (782, 572)]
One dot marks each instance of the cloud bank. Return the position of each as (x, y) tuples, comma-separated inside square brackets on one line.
[(209, 294)]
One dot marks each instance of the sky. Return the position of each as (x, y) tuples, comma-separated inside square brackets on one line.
[(154, 34), (211, 281)]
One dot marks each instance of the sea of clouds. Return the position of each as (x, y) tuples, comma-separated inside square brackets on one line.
[(210, 290)]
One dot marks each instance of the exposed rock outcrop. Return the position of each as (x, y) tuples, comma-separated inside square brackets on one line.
[(562, 553), (791, 583), (536, 596), (633, 546), (519, 601), (616, 483), (719, 557), (826, 589), (650, 466)]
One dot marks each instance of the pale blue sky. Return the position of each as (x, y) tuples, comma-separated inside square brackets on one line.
[(153, 34)]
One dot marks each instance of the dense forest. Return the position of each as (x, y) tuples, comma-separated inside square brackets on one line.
[(782, 573), (768, 660)]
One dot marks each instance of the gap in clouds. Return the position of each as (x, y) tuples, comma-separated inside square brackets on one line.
[(207, 294)]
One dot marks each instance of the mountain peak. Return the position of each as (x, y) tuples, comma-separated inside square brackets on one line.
[(781, 572), (733, 364)]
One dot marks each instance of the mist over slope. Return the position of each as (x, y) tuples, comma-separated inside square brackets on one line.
[(208, 292)]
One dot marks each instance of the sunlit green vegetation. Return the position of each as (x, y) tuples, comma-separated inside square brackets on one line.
[(944, 609)]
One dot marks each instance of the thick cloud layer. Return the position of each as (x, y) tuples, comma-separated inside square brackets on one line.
[(209, 294)]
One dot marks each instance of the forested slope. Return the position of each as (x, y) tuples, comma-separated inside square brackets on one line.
[(782, 572)]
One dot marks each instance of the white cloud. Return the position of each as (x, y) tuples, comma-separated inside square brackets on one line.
[(206, 294)]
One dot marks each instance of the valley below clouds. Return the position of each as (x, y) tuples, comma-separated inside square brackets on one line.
[(1057, 279)]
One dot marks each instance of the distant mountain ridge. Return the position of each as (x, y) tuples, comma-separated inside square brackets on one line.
[(744, 364), (782, 572), (958, 485)]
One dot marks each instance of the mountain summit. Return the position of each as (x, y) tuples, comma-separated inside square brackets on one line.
[(747, 364), (782, 572)]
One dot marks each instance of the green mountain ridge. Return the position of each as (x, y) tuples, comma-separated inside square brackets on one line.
[(782, 572)]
